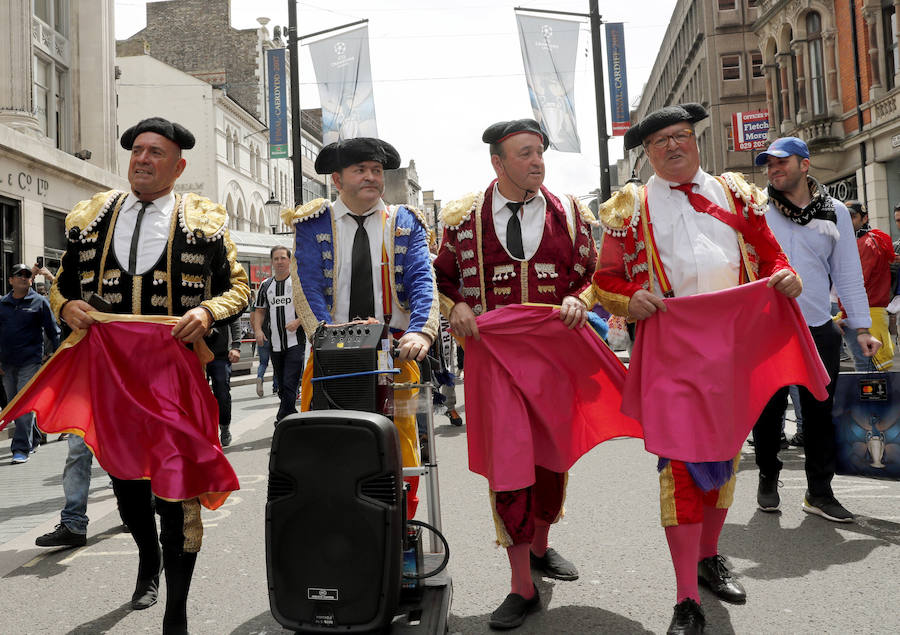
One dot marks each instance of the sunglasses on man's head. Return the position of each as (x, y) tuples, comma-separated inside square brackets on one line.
[(23, 274)]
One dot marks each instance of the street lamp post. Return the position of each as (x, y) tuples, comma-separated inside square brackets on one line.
[(272, 209)]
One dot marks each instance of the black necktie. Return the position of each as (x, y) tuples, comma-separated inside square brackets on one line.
[(135, 239), (514, 231), (362, 297)]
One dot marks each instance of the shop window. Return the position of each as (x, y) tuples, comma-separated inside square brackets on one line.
[(54, 238), (10, 222), (731, 67)]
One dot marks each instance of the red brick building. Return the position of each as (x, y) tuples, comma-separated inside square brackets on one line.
[(833, 79)]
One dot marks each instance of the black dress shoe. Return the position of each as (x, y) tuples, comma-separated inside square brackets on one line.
[(225, 435), (714, 574), (688, 619), (514, 610), (145, 593), (553, 565)]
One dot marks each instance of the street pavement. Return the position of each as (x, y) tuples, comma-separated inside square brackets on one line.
[(802, 574)]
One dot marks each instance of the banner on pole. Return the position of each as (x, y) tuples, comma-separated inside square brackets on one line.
[(278, 121), (618, 79), (341, 64), (549, 48), (750, 129)]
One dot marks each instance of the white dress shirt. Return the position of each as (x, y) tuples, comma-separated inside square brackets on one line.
[(700, 253), (345, 227), (154, 231), (532, 216)]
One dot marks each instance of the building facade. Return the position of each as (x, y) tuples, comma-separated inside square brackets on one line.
[(833, 79), (218, 81), (709, 56), (401, 186), (57, 121)]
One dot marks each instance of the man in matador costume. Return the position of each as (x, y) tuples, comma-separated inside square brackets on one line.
[(358, 258), (151, 251), (516, 243), (686, 232)]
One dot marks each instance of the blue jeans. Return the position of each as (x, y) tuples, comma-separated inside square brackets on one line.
[(76, 480), (219, 373), (288, 371), (860, 362), (27, 436), (265, 351)]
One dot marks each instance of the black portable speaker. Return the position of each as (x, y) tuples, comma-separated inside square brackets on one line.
[(347, 349), (334, 522)]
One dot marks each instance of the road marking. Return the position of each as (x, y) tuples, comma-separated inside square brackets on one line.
[(81, 553)]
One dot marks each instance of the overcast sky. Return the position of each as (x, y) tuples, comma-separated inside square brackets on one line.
[(443, 70)]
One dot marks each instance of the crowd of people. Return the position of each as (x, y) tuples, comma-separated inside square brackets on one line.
[(685, 233)]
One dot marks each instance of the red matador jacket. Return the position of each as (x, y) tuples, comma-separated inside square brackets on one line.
[(629, 260), (473, 267)]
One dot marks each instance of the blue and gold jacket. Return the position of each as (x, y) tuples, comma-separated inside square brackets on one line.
[(413, 295)]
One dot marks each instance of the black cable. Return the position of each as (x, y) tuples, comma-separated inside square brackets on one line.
[(440, 567)]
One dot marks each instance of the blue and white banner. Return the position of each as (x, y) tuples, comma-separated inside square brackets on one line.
[(278, 104), (341, 64), (549, 48), (617, 77)]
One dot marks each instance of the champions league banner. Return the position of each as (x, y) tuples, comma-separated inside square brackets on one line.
[(341, 64), (617, 77), (278, 123), (548, 52)]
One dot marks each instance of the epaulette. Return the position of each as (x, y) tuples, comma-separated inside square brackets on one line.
[(587, 215), (201, 218), (753, 196), (455, 213), (621, 210), (87, 213), (303, 212)]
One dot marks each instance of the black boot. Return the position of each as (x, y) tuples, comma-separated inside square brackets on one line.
[(146, 589), (179, 568)]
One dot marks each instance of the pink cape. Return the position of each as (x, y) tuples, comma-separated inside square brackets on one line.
[(538, 393), (141, 401), (702, 372)]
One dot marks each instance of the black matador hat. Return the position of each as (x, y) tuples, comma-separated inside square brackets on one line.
[(337, 156), (502, 130), (659, 119), (174, 132)]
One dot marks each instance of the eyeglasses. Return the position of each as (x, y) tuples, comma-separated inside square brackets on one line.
[(23, 274), (681, 137)]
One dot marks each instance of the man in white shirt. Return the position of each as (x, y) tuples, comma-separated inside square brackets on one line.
[(357, 258), (669, 238), (285, 334), (516, 242), (168, 254)]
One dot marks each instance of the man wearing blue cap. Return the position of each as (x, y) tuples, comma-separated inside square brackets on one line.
[(816, 233)]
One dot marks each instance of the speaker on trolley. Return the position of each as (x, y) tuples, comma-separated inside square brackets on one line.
[(334, 521)]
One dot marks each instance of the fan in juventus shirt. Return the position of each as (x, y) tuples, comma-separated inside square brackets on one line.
[(285, 333)]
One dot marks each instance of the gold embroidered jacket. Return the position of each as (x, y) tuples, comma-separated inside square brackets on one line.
[(198, 267)]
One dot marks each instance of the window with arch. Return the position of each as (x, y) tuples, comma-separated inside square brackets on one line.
[(816, 63), (236, 152)]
